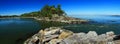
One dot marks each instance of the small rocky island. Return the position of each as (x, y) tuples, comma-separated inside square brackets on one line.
[(53, 13), (63, 19), (57, 35)]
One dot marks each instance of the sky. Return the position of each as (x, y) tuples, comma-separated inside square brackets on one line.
[(71, 7)]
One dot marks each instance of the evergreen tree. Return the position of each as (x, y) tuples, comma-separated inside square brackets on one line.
[(59, 11), (46, 11)]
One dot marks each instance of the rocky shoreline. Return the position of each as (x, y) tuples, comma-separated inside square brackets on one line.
[(57, 35), (56, 18), (63, 19)]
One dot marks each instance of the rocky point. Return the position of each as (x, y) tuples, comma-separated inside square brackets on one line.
[(56, 35)]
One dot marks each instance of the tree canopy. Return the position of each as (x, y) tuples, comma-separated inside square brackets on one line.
[(46, 11)]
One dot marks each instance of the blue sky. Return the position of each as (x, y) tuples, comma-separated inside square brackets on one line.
[(71, 7)]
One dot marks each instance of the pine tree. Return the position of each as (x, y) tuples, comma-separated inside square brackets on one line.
[(59, 11), (46, 11)]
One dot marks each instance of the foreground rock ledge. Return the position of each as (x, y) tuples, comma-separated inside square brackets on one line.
[(56, 35)]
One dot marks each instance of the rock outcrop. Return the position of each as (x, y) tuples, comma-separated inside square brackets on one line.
[(63, 19), (56, 35)]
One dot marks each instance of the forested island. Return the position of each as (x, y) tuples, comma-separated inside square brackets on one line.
[(46, 11), (53, 13), (50, 13)]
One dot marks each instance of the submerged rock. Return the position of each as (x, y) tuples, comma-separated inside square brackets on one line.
[(56, 35)]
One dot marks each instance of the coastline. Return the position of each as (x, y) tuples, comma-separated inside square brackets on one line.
[(62, 19)]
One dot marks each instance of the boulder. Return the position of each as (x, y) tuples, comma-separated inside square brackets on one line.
[(52, 30), (32, 40), (81, 35), (55, 41), (111, 33), (102, 37), (56, 35), (76, 38), (50, 38), (91, 34), (35, 38), (64, 35), (41, 32)]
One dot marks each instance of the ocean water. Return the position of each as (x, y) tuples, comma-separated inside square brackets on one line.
[(101, 19), (99, 23), (17, 30)]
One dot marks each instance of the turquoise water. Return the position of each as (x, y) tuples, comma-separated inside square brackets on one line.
[(16, 30)]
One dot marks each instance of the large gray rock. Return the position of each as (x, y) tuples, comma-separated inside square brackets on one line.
[(54, 41), (55, 35), (52, 30), (90, 38), (92, 34)]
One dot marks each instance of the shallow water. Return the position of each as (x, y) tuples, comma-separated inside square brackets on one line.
[(15, 30), (99, 28), (99, 23), (101, 19)]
